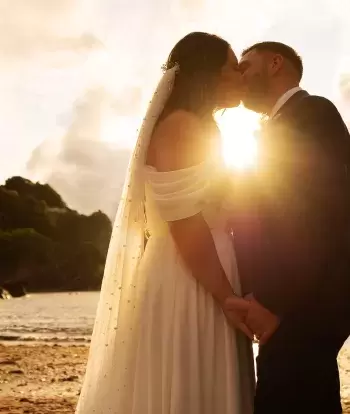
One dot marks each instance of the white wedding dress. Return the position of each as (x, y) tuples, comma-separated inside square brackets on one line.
[(161, 344), (184, 357)]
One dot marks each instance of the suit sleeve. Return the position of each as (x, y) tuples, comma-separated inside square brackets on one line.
[(309, 215)]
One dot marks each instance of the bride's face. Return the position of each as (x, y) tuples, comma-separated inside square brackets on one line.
[(229, 89)]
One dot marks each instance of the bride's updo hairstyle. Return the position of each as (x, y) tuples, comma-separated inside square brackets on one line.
[(199, 58)]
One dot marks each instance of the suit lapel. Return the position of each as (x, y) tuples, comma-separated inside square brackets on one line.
[(288, 107), (275, 134)]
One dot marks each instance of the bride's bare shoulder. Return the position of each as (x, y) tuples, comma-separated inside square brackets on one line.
[(176, 142), (181, 117)]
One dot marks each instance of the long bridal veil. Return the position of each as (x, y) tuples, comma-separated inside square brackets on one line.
[(108, 359)]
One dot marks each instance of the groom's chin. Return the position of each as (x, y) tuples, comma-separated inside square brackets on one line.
[(230, 104), (251, 106)]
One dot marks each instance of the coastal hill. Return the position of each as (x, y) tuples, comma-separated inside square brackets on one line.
[(46, 246)]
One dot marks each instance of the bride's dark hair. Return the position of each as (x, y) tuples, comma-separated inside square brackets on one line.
[(200, 57)]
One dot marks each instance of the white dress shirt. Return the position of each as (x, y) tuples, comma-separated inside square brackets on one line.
[(283, 99)]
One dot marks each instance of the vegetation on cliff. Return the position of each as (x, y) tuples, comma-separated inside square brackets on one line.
[(45, 245)]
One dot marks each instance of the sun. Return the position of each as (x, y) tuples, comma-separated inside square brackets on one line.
[(239, 146)]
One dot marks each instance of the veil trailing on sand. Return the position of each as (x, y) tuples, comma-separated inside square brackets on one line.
[(118, 292)]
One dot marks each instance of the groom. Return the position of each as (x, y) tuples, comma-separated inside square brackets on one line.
[(295, 261)]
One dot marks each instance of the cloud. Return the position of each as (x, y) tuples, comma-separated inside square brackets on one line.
[(129, 102), (87, 171), (32, 28), (91, 178), (344, 86), (344, 99), (61, 39)]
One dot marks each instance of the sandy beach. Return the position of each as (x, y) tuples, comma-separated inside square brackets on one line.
[(46, 379), (40, 379)]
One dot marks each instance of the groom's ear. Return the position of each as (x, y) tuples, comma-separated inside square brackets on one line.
[(275, 64)]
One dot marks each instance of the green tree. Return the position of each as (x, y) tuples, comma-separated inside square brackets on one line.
[(23, 253), (46, 245), (42, 192)]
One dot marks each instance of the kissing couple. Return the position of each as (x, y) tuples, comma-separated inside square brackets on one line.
[(228, 258)]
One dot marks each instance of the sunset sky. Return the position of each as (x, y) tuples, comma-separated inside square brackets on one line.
[(75, 76)]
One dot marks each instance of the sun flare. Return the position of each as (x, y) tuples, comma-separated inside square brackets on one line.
[(239, 146), (237, 126)]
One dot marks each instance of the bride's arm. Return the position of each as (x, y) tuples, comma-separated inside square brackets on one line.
[(196, 246), (176, 144)]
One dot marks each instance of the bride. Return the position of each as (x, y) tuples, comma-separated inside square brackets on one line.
[(162, 343)]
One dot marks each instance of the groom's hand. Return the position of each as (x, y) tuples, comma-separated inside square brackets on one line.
[(261, 321), (236, 310)]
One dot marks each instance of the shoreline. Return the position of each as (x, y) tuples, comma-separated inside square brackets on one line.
[(45, 378), (43, 341)]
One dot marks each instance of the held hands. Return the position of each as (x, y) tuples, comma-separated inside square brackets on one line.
[(237, 313), (263, 322), (251, 318)]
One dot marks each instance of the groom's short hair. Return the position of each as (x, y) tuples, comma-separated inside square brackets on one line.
[(281, 49)]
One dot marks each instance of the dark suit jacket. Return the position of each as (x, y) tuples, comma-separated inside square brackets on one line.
[(295, 257)]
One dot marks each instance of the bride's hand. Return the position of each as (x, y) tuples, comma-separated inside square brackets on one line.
[(236, 310), (261, 321)]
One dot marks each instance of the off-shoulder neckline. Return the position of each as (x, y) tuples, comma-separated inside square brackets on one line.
[(151, 168)]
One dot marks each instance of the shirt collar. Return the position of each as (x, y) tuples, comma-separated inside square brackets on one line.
[(283, 99)]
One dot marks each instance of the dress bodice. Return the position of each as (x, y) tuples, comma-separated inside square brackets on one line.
[(179, 194)]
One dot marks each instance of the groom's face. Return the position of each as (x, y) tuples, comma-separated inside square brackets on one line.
[(255, 73)]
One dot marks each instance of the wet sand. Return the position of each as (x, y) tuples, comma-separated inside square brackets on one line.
[(46, 379)]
